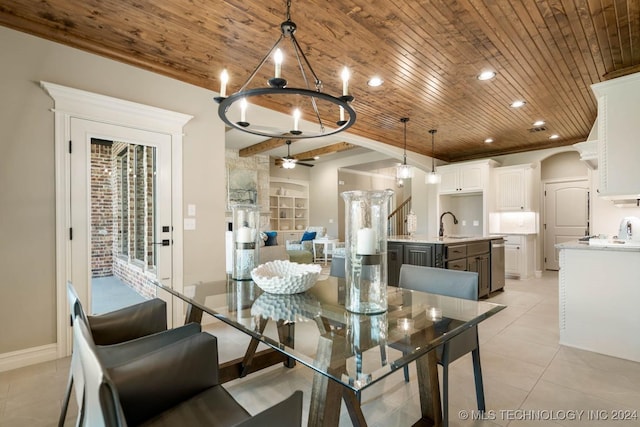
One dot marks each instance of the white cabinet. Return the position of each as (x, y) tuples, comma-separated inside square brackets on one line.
[(515, 188), (289, 207), (599, 289), (519, 251), (468, 177), (617, 130)]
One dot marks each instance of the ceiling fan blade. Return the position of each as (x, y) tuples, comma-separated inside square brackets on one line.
[(306, 160), (304, 164)]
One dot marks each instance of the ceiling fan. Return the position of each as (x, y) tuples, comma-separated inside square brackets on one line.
[(290, 162)]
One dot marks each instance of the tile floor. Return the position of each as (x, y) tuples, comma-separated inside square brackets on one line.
[(526, 375), (110, 293)]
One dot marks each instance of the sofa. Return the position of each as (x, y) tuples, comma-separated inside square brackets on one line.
[(270, 249), (301, 251), (272, 253)]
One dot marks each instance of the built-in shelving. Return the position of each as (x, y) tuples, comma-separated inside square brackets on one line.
[(289, 206)]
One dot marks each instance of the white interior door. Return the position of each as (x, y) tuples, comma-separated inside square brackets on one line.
[(566, 217), (159, 146)]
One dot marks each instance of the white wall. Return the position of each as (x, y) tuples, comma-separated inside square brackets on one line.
[(606, 216), (324, 191), (27, 198)]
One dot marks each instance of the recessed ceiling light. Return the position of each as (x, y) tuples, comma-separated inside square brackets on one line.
[(486, 75), (375, 81), (538, 123), (554, 136), (488, 140), (517, 104)]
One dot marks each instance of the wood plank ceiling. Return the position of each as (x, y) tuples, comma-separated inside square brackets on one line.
[(428, 52)]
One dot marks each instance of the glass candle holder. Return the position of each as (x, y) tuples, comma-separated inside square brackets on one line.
[(246, 220), (366, 250), (365, 332)]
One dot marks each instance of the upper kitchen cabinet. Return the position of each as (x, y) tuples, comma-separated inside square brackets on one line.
[(468, 177), (515, 188), (618, 128)]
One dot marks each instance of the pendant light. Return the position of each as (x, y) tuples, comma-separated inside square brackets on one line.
[(404, 171), (433, 177)]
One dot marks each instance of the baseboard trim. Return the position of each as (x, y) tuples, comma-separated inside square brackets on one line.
[(29, 356)]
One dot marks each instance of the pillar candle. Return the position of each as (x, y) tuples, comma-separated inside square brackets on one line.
[(244, 235), (366, 244)]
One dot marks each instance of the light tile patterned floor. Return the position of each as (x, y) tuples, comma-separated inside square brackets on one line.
[(526, 374)]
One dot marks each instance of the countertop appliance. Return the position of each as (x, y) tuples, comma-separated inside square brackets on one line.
[(629, 228), (497, 264)]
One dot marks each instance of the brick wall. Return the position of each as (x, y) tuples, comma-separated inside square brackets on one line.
[(101, 210), (134, 276)]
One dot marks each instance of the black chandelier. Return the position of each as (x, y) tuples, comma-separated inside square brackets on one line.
[(233, 108)]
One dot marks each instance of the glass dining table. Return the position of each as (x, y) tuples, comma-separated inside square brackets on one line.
[(348, 352)]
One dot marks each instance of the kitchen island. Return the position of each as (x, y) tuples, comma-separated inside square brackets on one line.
[(467, 253), (599, 292)]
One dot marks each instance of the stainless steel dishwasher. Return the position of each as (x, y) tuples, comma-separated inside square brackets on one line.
[(497, 264)]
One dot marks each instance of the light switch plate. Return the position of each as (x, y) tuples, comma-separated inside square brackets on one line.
[(191, 210), (189, 223)]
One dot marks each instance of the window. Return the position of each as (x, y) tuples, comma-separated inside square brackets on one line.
[(137, 203)]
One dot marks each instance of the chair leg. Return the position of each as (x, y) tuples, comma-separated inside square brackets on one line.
[(65, 403), (477, 373)]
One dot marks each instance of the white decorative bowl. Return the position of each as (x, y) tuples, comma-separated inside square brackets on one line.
[(292, 308), (285, 277)]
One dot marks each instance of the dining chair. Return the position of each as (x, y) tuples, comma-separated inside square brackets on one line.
[(337, 267), (120, 336), (453, 283), (177, 385)]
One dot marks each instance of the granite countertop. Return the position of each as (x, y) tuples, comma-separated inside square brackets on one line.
[(612, 246), (442, 240)]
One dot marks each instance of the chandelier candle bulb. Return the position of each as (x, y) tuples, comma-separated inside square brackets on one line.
[(224, 79), (341, 114), (345, 81), (277, 57), (434, 314), (405, 324), (243, 109), (296, 119)]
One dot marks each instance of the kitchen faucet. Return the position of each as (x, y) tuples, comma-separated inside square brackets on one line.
[(455, 221)]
